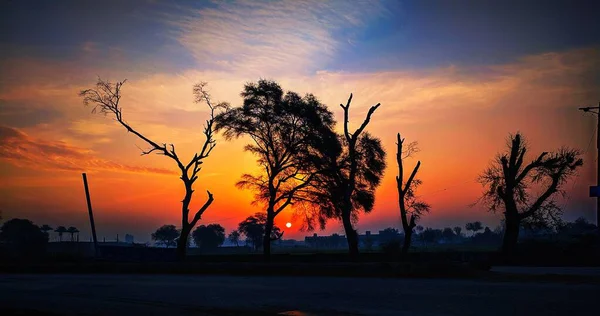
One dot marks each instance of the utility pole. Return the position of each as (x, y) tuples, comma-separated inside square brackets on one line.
[(595, 191), (89, 205)]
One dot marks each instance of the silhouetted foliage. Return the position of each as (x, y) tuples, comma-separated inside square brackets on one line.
[(209, 237), (407, 201), (430, 235), (22, 237), (60, 230), (253, 227), (448, 234), (286, 132), (166, 235), (105, 98), (46, 228), (234, 237), (474, 227), (72, 230), (457, 231), (351, 173), (510, 184)]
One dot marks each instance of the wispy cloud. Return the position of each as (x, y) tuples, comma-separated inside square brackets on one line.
[(22, 150), (272, 37)]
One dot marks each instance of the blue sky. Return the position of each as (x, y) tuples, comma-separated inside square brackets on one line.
[(410, 34)]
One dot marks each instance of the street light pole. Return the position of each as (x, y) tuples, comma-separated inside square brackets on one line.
[(597, 189)]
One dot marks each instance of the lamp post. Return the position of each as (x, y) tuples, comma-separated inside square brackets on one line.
[(595, 191)]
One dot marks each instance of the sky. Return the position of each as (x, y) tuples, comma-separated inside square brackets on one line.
[(456, 76)]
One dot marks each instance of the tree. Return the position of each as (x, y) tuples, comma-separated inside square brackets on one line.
[(253, 227), (21, 236), (286, 131), (209, 237), (431, 235), (60, 230), (72, 230), (474, 227), (105, 97), (510, 186), (457, 231), (351, 173), (166, 235), (448, 233), (234, 237), (408, 202), (46, 228)]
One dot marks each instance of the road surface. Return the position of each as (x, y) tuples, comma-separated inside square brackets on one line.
[(234, 295)]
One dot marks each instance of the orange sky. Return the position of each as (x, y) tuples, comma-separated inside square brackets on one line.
[(459, 114)]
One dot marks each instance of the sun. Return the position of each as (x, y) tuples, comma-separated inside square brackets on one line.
[(288, 225)]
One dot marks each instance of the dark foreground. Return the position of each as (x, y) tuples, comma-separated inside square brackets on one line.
[(106, 294)]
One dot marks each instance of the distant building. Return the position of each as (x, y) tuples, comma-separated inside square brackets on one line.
[(367, 240), (128, 239), (334, 241)]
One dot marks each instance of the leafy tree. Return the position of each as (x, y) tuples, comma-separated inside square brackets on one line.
[(60, 230), (234, 237), (351, 173), (457, 231), (510, 186), (286, 131), (46, 228), (72, 230), (419, 228), (166, 235), (431, 235), (474, 227), (23, 237), (209, 237), (105, 97), (253, 227), (448, 233), (408, 202)]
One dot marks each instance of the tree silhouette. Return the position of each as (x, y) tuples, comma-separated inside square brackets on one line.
[(105, 97), (351, 171), (457, 231), (234, 237), (253, 227), (166, 235), (209, 237), (407, 200), (21, 237), (72, 230), (286, 131), (60, 230), (46, 228), (474, 227), (448, 233), (510, 186)]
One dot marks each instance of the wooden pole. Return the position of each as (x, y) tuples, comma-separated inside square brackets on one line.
[(89, 205)]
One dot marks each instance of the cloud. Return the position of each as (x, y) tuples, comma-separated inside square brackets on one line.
[(272, 37), (22, 150)]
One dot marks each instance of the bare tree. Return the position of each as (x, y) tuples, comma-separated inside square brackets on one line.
[(105, 98), (407, 200), (364, 166), (510, 186)]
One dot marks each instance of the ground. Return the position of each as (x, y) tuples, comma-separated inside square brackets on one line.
[(234, 295)]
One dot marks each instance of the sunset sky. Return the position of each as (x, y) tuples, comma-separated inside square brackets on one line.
[(456, 76)]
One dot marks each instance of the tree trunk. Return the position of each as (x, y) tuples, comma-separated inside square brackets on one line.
[(267, 236), (351, 235), (182, 243), (511, 236), (407, 241)]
